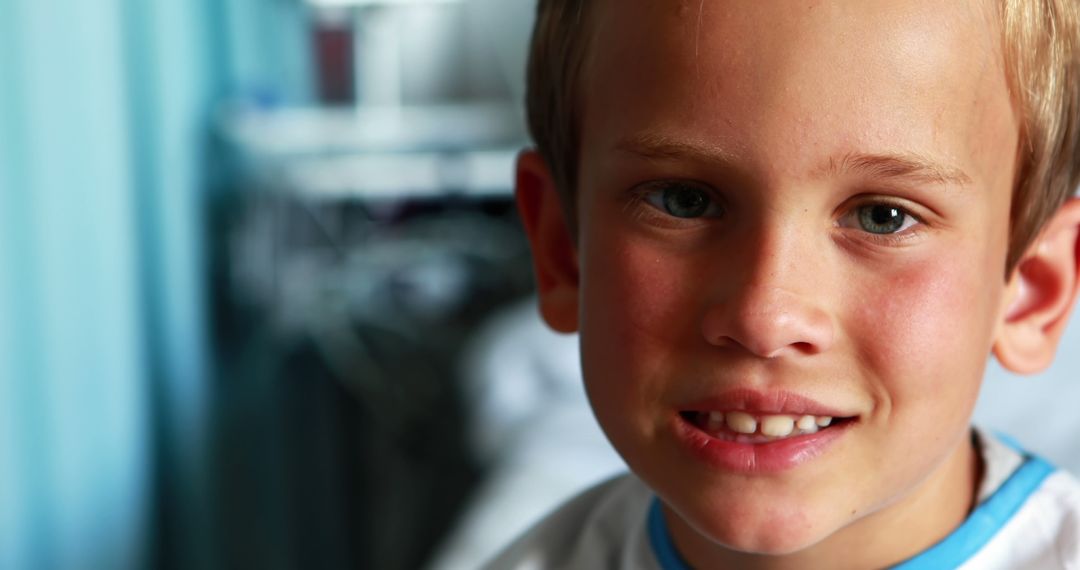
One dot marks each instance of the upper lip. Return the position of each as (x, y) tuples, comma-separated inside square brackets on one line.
[(764, 402)]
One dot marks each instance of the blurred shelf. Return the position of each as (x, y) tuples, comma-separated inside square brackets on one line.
[(377, 176), (378, 153), (290, 131), (361, 3)]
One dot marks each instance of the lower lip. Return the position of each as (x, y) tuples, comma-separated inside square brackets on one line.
[(770, 457)]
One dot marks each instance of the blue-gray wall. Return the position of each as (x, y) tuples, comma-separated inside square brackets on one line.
[(105, 107)]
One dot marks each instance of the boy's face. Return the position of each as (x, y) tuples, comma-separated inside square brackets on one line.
[(801, 208)]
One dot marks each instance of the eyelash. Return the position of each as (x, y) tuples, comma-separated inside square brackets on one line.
[(647, 202), (645, 194), (897, 238)]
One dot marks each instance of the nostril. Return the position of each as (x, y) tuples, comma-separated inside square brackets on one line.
[(723, 342)]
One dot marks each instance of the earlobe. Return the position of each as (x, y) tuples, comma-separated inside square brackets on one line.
[(554, 255), (1042, 293)]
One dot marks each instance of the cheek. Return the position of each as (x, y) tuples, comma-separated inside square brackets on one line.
[(637, 318), (925, 329), (635, 295)]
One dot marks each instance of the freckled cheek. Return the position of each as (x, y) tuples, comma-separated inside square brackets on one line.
[(637, 311), (635, 290)]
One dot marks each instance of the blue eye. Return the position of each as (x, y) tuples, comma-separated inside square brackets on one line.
[(683, 200), (880, 219)]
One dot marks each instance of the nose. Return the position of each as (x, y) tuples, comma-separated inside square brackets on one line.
[(770, 301)]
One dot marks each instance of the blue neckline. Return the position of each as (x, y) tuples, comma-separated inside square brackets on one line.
[(985, 521), (981, 525), (662, 545)]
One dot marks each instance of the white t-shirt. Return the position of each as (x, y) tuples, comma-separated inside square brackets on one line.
[(1028, 516)]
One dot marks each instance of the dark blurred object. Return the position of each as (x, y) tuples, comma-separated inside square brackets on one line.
[(357, 255), (333, 49), (358, 246)]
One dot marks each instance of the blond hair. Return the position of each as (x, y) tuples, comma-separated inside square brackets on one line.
[(1041, 45), (1041, 40)]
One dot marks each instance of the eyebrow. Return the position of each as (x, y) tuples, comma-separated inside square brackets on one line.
[(899, 166), (903, 166), (660, 147)]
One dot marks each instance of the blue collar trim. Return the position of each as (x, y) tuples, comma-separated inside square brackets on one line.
[(981, 526), (660, 538), (985, 521)]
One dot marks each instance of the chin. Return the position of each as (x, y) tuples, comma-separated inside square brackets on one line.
[(764, 529)]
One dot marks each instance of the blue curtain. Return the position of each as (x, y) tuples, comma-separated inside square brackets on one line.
[(105, 368)]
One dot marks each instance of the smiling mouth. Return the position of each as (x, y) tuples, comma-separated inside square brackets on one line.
[(745, 427)]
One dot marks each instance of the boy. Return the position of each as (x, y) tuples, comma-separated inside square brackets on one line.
[(790, 234)]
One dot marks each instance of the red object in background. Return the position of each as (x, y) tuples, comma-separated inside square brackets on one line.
[(334, 62)]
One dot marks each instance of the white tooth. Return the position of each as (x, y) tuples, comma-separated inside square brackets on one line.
[(740, 422), (715, 421), (777, 426), (824, 421), (806, 422)]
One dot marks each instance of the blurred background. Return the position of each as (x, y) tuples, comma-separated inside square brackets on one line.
[(264, 300)]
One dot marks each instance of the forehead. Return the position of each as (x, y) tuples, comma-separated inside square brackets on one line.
[(813, 80)]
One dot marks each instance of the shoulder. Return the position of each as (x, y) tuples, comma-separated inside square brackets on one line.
[(1043, 531), (1053, 513), (1028, 516), (603, 527)]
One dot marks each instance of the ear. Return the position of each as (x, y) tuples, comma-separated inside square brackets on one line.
[(554, 257), (1041, 295)]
